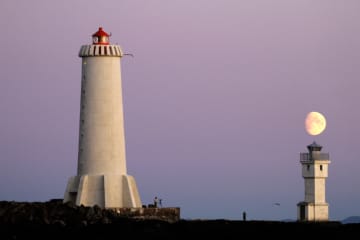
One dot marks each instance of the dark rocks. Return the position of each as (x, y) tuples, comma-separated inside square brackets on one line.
[(56, 220)]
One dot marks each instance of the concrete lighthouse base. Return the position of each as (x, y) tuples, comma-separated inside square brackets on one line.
[(105, 191), (309, 211)]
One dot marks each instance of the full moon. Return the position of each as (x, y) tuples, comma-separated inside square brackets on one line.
[(315, 123)]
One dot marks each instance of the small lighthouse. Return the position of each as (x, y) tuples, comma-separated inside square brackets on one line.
[(101, 173), (314, 171)]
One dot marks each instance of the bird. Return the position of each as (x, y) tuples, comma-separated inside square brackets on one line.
[(277, 204), (129, 54)]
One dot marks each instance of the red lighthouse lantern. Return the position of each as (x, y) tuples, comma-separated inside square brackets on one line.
[(101, 37)]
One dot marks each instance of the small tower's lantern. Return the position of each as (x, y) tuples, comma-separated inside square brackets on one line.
[(101, 37)]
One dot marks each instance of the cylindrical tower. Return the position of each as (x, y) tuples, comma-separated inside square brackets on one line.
[(101, 175), (101, 134)]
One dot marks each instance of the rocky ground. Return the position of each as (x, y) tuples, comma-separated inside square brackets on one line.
[(55, 220)]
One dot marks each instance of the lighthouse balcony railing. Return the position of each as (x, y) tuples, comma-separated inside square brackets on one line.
[(311, 157)]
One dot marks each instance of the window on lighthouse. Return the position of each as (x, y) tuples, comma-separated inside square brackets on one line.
[(95, 39), (104, 39)]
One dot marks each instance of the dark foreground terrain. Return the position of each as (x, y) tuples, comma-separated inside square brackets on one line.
[(55, 220)]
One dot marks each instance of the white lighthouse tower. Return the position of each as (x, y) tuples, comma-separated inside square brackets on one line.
[(314, 171), (101, 174)]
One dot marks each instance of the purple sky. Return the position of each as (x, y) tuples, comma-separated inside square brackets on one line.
[(215, 99)]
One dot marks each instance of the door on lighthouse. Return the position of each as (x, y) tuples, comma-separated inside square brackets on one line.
[(302, 212)]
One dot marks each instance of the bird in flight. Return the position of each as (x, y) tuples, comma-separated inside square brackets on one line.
[(129, 54), (277, 204)]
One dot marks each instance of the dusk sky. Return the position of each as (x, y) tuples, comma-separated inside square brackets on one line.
[(215, 100)]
